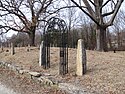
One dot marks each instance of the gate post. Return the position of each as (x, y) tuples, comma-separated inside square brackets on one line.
[(46, 52), (62, 62), (63, 68), (81, 58), (42, 53), (12, 49)]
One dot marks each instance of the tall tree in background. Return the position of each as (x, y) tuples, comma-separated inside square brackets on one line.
[(22, 15), (95, 9)]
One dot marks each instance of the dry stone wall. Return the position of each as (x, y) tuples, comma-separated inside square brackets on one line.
[(42, 78)]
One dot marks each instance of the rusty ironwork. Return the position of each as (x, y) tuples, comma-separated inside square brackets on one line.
[(56, 33)]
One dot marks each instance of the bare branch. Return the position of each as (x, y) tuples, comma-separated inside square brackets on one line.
[(1, 33), (21, 17), (31, 6), (117, 7), (89, 8), (43, 7), (105, 3), (7, 28), (92, 3), (109, 13), (92, 17), (58, 9)]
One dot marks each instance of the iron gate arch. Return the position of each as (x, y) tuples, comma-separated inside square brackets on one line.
[(56, 27)]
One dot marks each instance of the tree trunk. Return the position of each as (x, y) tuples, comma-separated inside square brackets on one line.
[(32, 38), (118, 39), (101, 40), (109, 39)]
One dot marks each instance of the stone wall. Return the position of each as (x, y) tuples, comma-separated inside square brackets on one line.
[(45, 79)]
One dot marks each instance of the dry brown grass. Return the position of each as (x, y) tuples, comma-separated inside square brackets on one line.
[(105, 70)]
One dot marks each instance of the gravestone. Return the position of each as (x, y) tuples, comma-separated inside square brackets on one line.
[(10, 45), (1, 47), (81, 58), (28, 48), (12, 49), (41, 54)]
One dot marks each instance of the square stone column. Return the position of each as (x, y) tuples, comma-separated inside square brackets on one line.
[(81, 58), (41, 53), (1, 46), (12, 49), (28, 48)]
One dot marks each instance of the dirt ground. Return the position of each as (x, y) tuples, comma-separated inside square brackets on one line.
[(105, 70), (22, 85)]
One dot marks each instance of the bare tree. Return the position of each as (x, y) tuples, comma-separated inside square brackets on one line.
[(20, 39), (95, 9), (22, 15)]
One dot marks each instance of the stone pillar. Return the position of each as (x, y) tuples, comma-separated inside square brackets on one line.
[(81, 58), (1, 47), (42, 48), (12, 49), (10, 45), (28, 48)]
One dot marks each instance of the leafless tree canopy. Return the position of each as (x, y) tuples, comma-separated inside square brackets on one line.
[(98, 10), (22, 15)]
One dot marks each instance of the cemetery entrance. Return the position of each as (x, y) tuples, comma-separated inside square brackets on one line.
[(56, 34)]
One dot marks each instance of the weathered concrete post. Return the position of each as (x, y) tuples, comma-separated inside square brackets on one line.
[(42, 48), (1, 47), (10, 45), (81, 58), (28, 48), (12, 49)]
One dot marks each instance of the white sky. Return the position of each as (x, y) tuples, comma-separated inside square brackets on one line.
[(10, 33)]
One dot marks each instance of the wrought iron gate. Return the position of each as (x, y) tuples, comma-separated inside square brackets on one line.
[(56, 27)]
